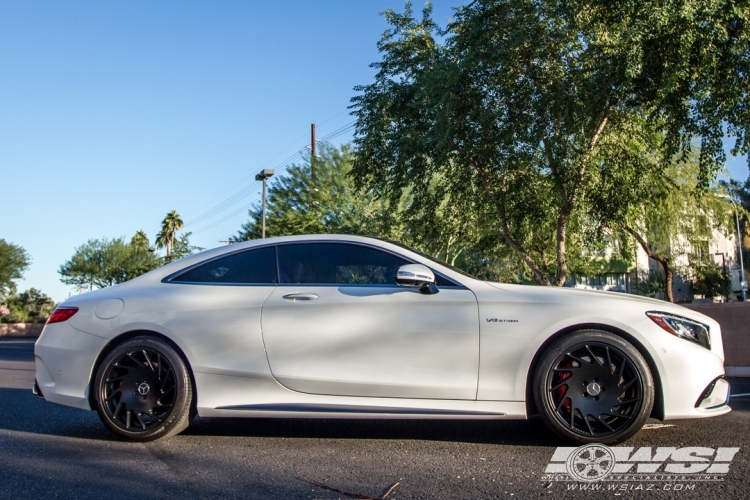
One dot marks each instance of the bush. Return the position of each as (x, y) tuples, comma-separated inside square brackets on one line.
[(31, 306)]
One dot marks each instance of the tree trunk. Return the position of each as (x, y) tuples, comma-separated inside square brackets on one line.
[(539, 275), (663, 261)]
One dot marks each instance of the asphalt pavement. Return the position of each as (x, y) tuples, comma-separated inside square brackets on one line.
[(51, 451)]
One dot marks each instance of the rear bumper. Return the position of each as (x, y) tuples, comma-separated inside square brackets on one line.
[(65, 360)]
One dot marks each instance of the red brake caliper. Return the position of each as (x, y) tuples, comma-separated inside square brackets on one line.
[(562, 389)]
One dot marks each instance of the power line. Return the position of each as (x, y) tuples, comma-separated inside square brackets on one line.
[(242, 193), (279, 170)]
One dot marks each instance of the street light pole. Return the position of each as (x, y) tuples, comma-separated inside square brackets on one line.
[(743, 283), (264, 175)]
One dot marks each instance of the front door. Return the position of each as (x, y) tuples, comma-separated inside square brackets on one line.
[(338, 324)]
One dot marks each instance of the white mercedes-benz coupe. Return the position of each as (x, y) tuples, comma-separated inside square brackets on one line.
[(329, 326)]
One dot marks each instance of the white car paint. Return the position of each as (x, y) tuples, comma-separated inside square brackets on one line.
[(365, 352)]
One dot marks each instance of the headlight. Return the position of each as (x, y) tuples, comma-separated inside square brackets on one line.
[(682, 327)]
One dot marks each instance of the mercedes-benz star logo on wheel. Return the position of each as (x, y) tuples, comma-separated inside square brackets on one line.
[(592, 462), (143, 389)]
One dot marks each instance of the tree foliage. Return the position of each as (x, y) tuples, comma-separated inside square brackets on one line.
[(105, 262), (329, 203), (526, 109), (31, 306), (14, 260), (168, 235), (710, 280)]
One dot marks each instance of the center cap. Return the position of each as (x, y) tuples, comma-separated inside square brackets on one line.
[(593, 389), (143, 389)]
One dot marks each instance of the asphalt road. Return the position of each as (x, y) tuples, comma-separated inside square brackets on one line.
[(50, 451)]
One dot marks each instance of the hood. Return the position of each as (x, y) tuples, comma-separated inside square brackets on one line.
[(562, 294)]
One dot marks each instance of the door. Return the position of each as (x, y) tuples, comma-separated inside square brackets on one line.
[(338, 324)]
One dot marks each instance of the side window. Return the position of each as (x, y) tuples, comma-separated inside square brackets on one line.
[(337, 263), (253, 266)]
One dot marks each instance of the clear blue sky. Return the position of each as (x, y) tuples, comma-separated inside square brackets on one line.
[(114, 113)]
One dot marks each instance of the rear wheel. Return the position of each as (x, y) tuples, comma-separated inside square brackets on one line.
[(143, 390), (593, 387)]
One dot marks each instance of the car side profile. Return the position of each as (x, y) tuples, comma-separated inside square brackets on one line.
[(336, 326)]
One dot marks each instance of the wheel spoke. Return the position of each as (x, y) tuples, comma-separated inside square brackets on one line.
[(627, 401), (148, 360), (136, 361), (609, 360), (119, 408), (628, 384), (112, 396), (564, 382), (128, 416), (580, 360), (166, 378), (616, 414), (594, 356), (560, 404), (586, 419), (602, 421), (625, 364), (139, 416)]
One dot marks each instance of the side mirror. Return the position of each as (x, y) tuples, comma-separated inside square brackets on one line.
[(417, 276)]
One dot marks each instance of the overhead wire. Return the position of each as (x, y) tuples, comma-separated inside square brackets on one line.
[(242, 193), (192, 221), (287, 163)]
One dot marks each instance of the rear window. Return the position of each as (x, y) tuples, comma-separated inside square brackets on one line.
[(242, 268)]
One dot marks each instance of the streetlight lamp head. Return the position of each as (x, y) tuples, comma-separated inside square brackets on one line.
[(264, 174)]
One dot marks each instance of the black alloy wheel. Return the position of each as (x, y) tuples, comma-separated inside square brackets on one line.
[(144, 390), (593, 387)]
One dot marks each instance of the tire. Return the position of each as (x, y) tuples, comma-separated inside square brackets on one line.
[(593, 387), (144, 390)]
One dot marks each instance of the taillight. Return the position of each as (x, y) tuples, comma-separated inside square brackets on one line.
[(62, 314)]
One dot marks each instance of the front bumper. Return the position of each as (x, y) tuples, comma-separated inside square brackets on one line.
[(36, 391), (691, 376), (715, 395)]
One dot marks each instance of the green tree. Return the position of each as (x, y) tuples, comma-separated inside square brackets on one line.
[(139, 241), (31, 306), (524, 105), (710, 280), (167, 236), (104, 262), (299, 204), (183, 247), (14, 260)]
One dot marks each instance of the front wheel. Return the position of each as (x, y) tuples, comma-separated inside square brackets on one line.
[(143, 390), (593, 387)]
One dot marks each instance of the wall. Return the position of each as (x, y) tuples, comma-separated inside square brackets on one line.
[(21, 329), (734, 318)]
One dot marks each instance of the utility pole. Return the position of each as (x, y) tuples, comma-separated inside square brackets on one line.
[(312, 153), (264, 175)]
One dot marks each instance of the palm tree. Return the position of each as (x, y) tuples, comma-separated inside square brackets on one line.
[(169, 227), (139, 241)]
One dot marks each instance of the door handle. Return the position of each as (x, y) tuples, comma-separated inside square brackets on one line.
[(294, 297)]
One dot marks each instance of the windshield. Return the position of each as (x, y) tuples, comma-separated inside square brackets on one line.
[(430, 257)]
